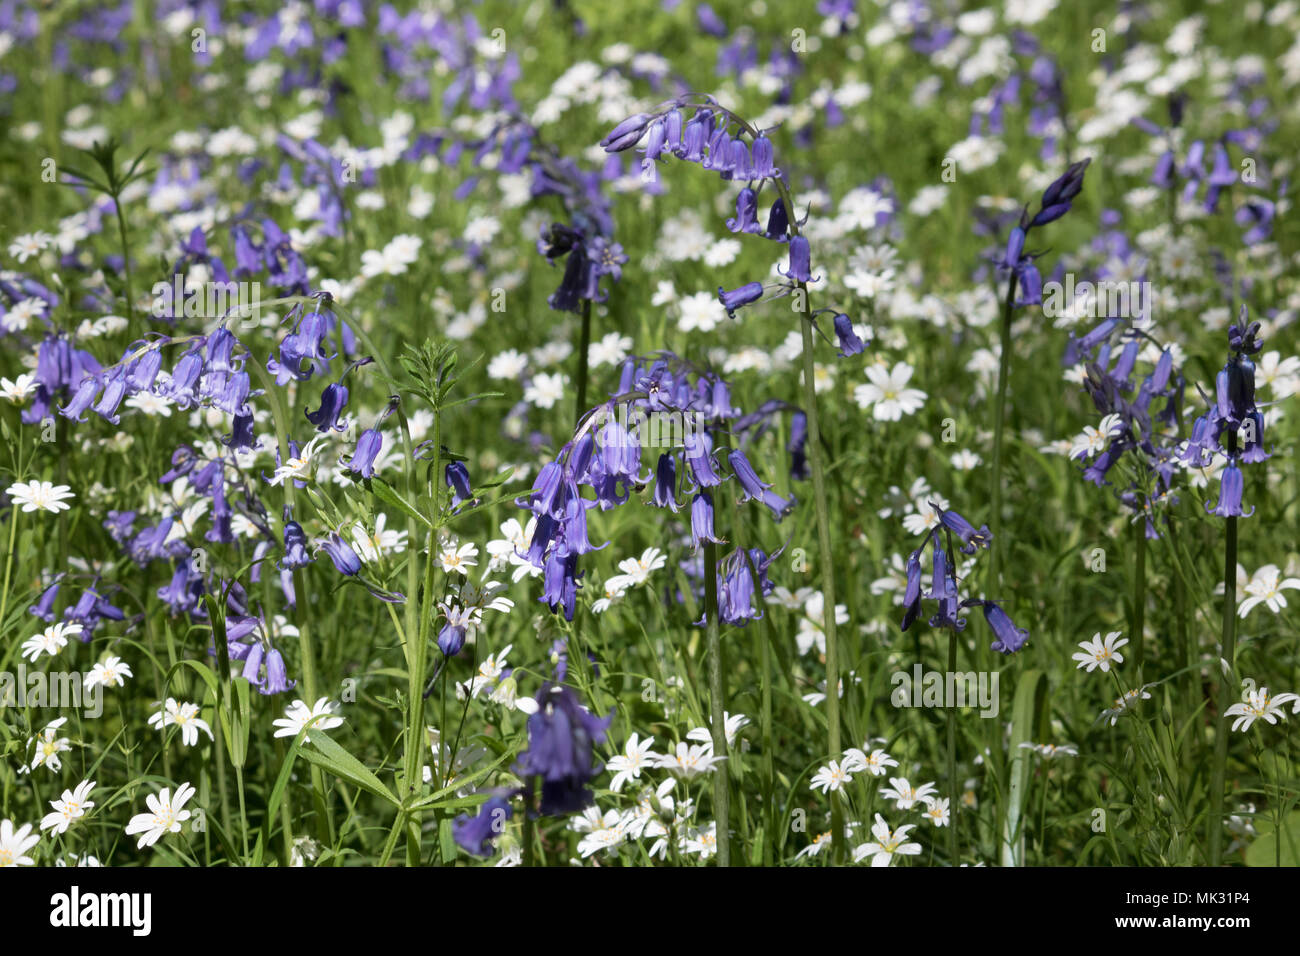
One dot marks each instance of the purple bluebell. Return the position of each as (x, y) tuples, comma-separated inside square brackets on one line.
[(362, 461), (562, 736), (1008, 637), (740, 297), (971, 539), (451, 638), (333, 401), (850, 343), (457, 478), (1231, 485), (340, 552), (800, 266), (473, 834)]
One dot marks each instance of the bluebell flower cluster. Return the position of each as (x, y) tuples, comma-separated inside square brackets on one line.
[(945, 586), (661, 403), (719, 141), (1233, 415), (1056, 201), (1146, 416), (1255, 211)]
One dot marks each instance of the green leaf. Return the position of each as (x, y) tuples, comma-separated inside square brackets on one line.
[(1024, 714), (240, 720), (329, 756), (446, 843), (437, 799), (1264, 851), (387, 494), (277, 794), (199, 668)]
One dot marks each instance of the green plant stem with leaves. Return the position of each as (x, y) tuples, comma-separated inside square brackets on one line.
[(999, 425), (418, 654), (1137, 626), (717, 706), (822, 508)]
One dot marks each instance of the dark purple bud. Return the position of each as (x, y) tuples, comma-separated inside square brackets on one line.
[(850, 344), (457, 478)]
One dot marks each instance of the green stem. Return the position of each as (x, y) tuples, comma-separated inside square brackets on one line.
[(584, 347), (417, 655), (825, 556), (826, 559), (387, 854), (1137, 625), (765, 721), (528, 823), (999, 421), (717, 706), (1228, 681), (954, 793), (9, 563), (126, 262)]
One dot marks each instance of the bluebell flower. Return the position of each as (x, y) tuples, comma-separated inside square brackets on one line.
[(560, 581), (736, 590), (472, 834), (850, 343), (451, 638), (562, 736), (295, 547), (340, 552), (333, 400), (362, 461), (665, 490), (702, 520), (1231, 485), (277, 678), (753, 487), (746, 294), (778, 223), (746, 218), (627, 133), (44, 606), (1008, 637), (800, 265), (971, 539), (457, 478)]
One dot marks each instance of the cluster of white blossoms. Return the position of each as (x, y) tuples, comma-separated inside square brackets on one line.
[(656, 814)]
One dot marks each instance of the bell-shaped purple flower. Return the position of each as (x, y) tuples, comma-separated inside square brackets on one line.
[(457, 478), (473, 833), (1008, 637), (800, 265), (850, 343), (562, 736), (333, 400), (740, 297), (970, 538), (1231, 485), (277, 676), (362, 461), (340, 552)]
